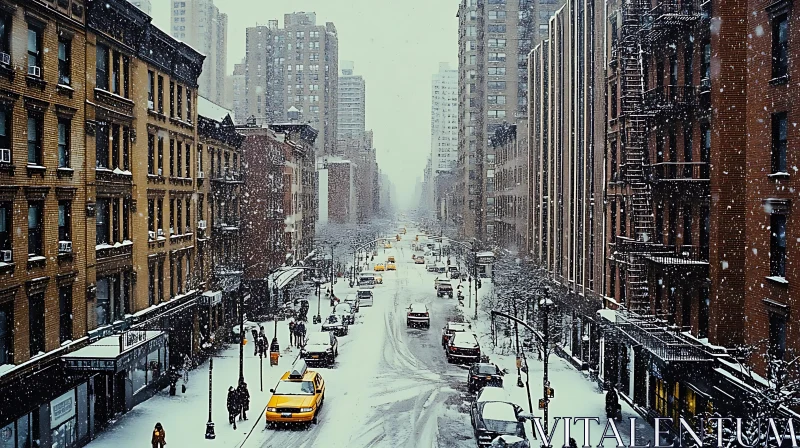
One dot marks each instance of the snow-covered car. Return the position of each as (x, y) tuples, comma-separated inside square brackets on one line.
[(430, 265), (444, 288), (418, 315), (354, 301), (451, 328), (365, 297), (322, 347), (464, 347), (484, 374), (491, 393), (336, 324), (347, 312), (419, 260), (493, 419)]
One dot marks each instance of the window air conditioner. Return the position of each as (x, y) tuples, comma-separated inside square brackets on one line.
[(201, 224), (150, 105), (5, 155), (160, 172), (201, 175), (65, 247), (161, 233), (151, 234), (35, 71), (172, 230), (6, 254), (5, 58)]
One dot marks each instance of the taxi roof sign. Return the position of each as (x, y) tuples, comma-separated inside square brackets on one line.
[(299, 369)]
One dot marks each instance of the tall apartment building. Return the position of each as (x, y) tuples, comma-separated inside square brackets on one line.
[(200, 24), (495, 37), (444, 118), (145, 5), (565, 172), (352, 102), (238, 89), (295, 66)]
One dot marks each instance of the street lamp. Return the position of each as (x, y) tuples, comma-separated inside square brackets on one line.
[(545, 304), (209, 345)]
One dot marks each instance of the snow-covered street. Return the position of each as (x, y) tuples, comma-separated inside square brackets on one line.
[(391, 385)]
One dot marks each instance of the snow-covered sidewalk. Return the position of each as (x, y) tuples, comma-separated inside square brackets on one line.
[(184, 416), (575, 394)]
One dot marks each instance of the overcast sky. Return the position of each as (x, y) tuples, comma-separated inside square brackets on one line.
[(396, 46)]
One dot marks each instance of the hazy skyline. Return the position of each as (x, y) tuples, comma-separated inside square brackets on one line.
[(396, 47)]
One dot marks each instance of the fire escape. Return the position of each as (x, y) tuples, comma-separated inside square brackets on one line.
[(644, 30)]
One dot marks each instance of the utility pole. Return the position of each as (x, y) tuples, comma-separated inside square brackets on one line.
[(545, 306), (241, 337), (475, 276), (210, 346)]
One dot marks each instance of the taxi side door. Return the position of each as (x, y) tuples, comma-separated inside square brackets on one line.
[(319, 384)]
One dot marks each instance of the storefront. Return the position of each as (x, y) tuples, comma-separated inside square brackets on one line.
[(485, 262), (127, 369)]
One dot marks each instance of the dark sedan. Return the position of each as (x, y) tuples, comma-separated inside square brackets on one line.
[(492, 419), (335, 324), (322, 347), (463, 347), (483, 374)]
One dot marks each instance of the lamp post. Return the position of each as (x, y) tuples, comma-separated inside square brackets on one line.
[(209, 345), (545, 305)]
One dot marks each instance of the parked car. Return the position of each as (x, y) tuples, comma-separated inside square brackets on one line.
[(391, 267), (336, 324), (418, 315), (450, 329), (493, 419), (367, 279), (322, 347), (455, 274), (444, 288), (484, 374), (390, 259), (347, 312), (354, 301), (378, 280), (365, 297), (430, 265), (419, 260), (464, 347)]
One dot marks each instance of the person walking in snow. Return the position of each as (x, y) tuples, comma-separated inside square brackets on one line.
[(255, 341), (612, 403), (159, 436), (187, 366), (291, 332), (232, 406), (300, 338), (244, 399)]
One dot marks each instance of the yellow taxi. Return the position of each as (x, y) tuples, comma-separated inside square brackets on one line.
[(380, 267), (378, 280), (391, 267), (387, 245), (390, 259), (297, 398)]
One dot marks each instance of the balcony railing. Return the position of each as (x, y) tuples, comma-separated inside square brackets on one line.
[(657, 337), (680, 171), (666, 98), (680, 255), (670, 14)]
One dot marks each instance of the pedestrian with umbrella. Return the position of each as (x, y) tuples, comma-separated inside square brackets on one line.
[(233, 408)]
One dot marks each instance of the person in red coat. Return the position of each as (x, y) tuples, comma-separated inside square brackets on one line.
[(159, 436)]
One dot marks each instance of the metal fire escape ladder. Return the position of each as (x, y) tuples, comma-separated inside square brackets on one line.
[(640, 202)]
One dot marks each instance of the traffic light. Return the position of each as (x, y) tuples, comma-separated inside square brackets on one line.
[(542, 403), (551, 392), (479, 284)]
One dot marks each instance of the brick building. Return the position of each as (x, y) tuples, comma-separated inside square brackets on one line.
[(341, 193), (509, 206)]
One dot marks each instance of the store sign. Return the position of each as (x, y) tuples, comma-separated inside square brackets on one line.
[(131, 338), (211, 298), (62, 409)]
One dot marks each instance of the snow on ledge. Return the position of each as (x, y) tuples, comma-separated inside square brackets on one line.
[(778, 279)]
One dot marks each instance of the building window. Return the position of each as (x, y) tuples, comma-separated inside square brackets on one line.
[(151, 90), (6, 226), (64, 221), (101, 146), (179, 101), (151, 216), (160, 214), (780, 46), (613, 101), (34, 140), (160, 94), (777, 249), (5, 31), (102, 228), (101, 70), (151, 154), (160, 155), (35, 229), (777, 335), (65, 313), (64, 62), (113, 298), (188, 106), (172, 99), (36, 323), (34, 51), (780, 129), (179, 154), (6, 334), (171, 158), (187, 161), (64, 127), (5, 132), (151, 285)]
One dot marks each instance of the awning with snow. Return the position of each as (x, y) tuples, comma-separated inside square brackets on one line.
[(115, 353), (282, 278)]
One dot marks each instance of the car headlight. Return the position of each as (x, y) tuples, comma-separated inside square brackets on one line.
[(272, 409), (306, 409)]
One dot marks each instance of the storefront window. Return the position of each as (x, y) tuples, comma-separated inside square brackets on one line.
[(690, 403), (7, 436), (83, 411), (62, 420), (23, 432), (661, 397), (139, 376), (154, 366)]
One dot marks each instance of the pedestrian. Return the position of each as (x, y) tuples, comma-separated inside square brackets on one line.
[(244, 399), (262, 340), (301, 333), (612, 403), (291, 332), (187, 366), (232, 406), (255, 341), (159, 436)]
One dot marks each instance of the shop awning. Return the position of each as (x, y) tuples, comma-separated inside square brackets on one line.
[(282, 278), (115, 353)]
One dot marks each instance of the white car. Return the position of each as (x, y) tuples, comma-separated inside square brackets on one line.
[(418, 315), (365, 297)]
